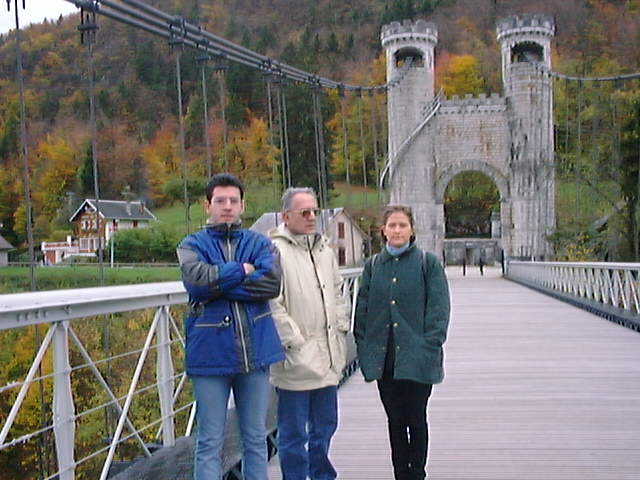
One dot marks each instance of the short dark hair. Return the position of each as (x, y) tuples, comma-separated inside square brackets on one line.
[(224, 180)]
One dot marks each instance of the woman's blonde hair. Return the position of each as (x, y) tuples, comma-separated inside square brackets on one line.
[(390, 210)]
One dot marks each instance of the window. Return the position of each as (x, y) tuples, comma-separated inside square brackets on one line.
[(135, 224), (342, 256), (340, 229)]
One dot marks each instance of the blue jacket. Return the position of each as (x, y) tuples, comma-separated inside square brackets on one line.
[(229, 328)]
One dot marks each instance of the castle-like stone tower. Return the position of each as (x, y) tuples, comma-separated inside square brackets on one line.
[(509, 138)]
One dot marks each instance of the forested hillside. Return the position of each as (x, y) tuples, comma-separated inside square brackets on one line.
[(137, 99)]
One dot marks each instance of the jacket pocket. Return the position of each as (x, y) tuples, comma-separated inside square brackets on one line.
[(309, 362), (211, 323)]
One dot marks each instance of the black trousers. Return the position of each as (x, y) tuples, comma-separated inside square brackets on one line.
[(405, 403)]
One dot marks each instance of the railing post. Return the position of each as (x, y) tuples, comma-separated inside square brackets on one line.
[(64, 425), (164, 375)]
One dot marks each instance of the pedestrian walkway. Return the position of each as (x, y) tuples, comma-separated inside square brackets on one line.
[(535, 390)]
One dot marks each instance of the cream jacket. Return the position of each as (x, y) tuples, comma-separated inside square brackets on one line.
[(311, 314)]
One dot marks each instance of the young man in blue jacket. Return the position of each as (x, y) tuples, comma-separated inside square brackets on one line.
[(230, 274)]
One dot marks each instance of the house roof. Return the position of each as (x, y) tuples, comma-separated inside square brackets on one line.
[(4, 245), (271, 220), (116, 209)]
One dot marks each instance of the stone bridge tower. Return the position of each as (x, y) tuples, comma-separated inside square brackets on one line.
[(508, 137)]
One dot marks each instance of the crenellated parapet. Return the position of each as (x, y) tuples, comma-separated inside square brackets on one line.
[(470, 104), (535, 24), (409, 31)]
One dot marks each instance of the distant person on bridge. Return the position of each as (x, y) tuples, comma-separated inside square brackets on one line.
[(230, 274), (402, 316), (312, 318)]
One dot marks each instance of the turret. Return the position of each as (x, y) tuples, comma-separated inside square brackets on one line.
[(410, 68), (525, 43)]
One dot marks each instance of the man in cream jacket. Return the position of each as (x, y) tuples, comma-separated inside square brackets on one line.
[(312, 319)]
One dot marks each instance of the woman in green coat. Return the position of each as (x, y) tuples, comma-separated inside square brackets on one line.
[(402, 315)]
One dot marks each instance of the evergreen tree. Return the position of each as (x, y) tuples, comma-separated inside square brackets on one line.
[(332, 43)]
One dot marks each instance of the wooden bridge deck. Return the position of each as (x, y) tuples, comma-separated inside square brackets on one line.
[(535, 389)]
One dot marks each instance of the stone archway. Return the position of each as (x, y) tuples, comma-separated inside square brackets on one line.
[(496, 176)]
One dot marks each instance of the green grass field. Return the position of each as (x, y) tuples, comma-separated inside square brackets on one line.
[(17, 279)]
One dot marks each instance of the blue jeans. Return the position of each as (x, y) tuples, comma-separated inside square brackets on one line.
[(306, 417), (251, 392)]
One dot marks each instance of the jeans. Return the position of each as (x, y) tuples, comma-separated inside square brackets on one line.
[(251, 392), (306, 417), (405, 403)]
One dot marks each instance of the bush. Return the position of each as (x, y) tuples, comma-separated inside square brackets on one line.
[(140, 245)]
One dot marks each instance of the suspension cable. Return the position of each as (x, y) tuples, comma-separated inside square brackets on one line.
[(140, 15)]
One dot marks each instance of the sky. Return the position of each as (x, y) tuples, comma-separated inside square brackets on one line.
[(36, 11)]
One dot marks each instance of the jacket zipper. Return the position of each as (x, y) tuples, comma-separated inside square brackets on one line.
[(324, 309), (238, 318)]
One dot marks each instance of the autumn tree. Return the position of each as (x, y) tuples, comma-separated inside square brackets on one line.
[(461, 76)]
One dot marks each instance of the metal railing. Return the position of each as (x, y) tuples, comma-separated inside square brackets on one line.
[(68, 316), (609, 284)]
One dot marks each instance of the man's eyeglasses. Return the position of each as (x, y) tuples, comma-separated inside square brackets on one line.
[(306, 212), (223, 200)]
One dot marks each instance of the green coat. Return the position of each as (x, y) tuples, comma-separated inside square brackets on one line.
[(410, 294)]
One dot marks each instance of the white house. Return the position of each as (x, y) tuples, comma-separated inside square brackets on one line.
[(115, 215), (4, 251)]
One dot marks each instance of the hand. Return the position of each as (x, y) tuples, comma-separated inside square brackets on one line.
[(248, 268)]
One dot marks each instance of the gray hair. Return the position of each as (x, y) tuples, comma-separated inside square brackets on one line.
[(289, 193)]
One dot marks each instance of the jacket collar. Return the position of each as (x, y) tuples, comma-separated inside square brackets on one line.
[(308, 242), (224, 229), (385, 256)]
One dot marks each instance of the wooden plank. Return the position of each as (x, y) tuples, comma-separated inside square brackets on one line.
[(534, 389)]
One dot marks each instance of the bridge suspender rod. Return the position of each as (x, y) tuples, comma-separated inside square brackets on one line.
[(274, 168), (345, 134), (221, 67), (88, 28), (183, 153), (202, 60), (26, 180), (285, 133), (362, 149), (374, 137), (314, 97), (320, 153), (283, 159), (24, 150)]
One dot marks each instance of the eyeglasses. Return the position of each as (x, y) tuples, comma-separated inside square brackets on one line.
[(224, 200), (306, 212)]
